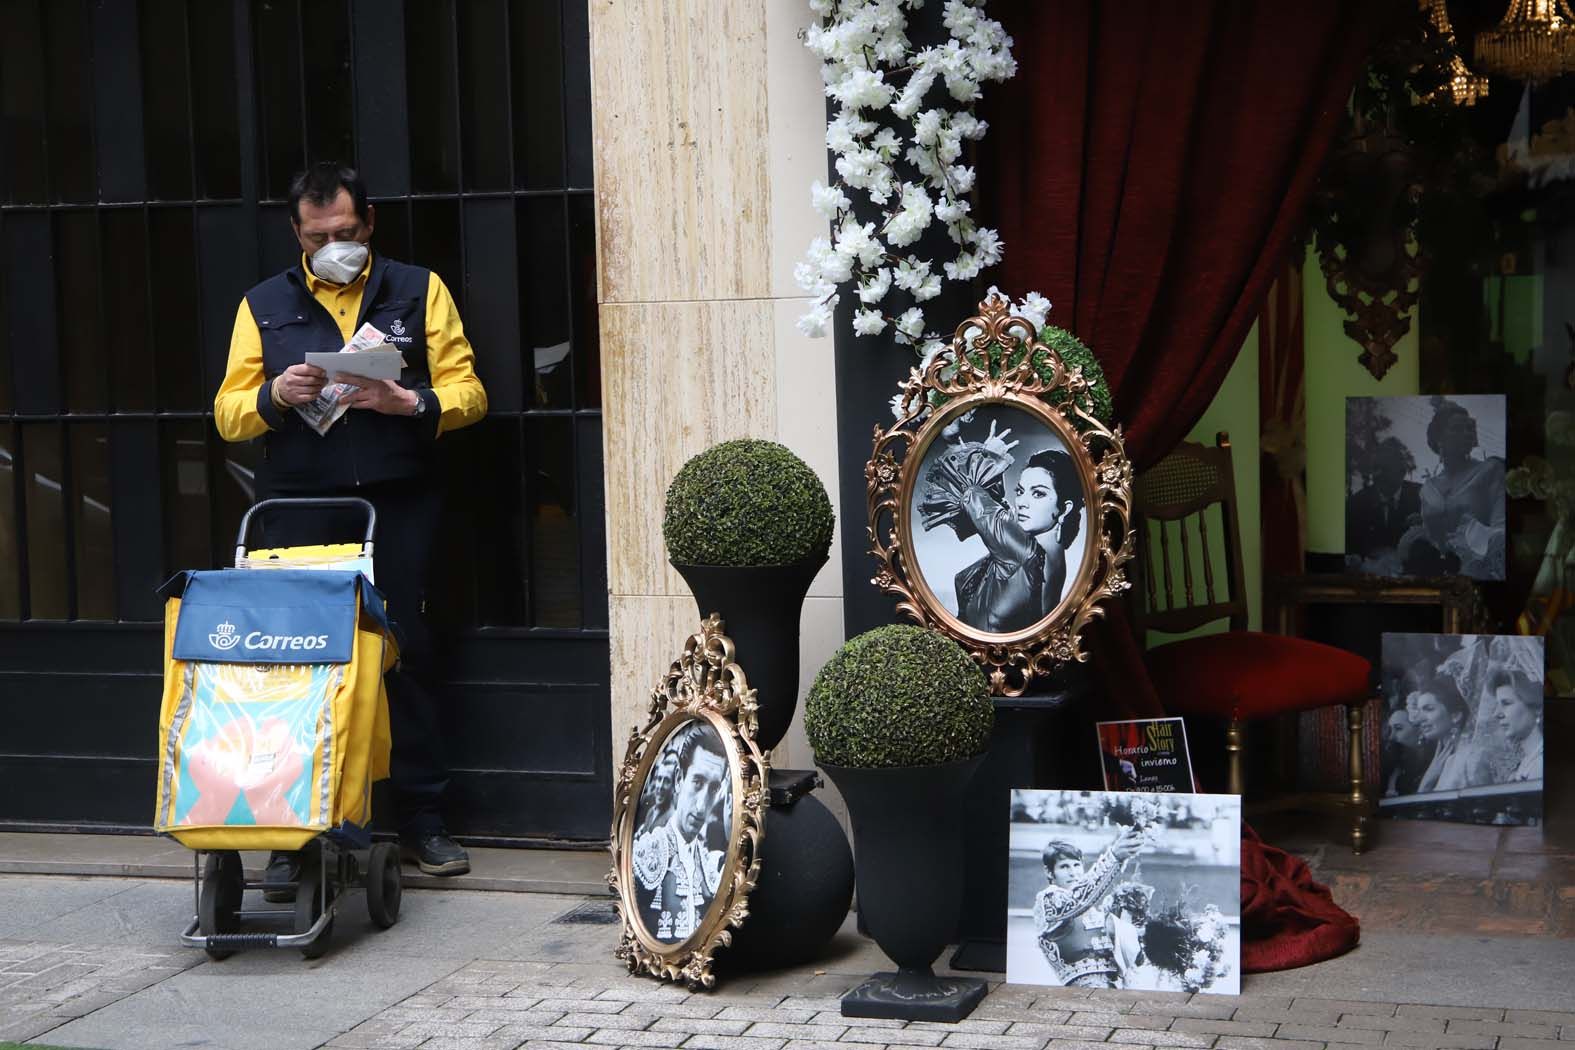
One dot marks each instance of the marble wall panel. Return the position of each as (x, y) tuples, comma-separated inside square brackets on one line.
[(677, 378), (680, 135)]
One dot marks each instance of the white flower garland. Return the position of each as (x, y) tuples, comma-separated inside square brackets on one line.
[(861, 43)]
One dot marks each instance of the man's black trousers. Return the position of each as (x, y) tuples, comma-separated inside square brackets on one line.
[(407, 518)]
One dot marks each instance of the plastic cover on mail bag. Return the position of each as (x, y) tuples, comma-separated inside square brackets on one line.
[(274, 723)]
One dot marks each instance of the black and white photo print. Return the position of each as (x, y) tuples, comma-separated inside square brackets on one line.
[(1125, 890), (1000, 521), (1425, 486), (1462, 728), (681, 830)]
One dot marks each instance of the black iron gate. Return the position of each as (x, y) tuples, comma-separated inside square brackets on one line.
[(146, 152)]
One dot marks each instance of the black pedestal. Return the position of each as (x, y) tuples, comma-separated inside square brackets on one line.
[(904, 996), (1041, 740)]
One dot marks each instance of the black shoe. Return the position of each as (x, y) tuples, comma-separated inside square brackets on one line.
[(436, 854), (284, 869)]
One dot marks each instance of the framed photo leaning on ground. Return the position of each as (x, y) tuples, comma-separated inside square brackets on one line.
[(1462, 730), (1000, 507), (1133, 890), (688, 815)]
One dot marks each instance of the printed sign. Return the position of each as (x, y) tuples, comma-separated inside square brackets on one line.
[(1148, 754)]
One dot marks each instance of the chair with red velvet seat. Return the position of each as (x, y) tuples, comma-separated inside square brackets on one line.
[(1238, 676)]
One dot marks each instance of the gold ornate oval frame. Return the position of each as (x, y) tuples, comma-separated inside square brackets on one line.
[(957, 381), (707, 685)]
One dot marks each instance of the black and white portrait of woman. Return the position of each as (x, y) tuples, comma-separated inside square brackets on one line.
[(999, 519), (1462, 727), (1425, 483)]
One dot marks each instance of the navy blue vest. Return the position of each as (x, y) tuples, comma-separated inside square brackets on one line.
[(363, 447)]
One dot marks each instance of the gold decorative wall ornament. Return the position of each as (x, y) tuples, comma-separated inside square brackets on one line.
[(1534, 41), (1367, 250), (689, 815), (999, 509)]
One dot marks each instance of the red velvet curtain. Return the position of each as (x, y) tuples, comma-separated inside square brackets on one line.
[(1147, 169)]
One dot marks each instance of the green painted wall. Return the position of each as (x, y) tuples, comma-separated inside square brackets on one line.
[(1333, 374), (1235, 411)]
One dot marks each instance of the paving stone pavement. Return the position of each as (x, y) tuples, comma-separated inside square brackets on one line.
[(495, 971), (45, 985), (504, 1006)]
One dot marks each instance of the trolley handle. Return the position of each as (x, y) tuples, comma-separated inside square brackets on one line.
[(306, 503)]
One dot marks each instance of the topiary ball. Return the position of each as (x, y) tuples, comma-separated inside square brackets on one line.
[(1097, 402), (1075, 354), (747, 502), (898, 696)]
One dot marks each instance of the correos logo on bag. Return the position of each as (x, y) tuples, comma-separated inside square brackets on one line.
[(224, 639)]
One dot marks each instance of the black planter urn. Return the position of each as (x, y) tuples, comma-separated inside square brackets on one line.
[(908, 864), (760, 607), (805, 886)]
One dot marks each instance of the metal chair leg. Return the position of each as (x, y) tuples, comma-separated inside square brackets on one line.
[(1235, 740), (1354, 717)]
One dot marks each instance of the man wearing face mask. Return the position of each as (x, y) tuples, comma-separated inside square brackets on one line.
[(380, 450)]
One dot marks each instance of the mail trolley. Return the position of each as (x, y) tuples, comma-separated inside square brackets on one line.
[(273, 728)]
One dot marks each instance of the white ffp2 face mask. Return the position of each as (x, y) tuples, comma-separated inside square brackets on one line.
[(339, 261)]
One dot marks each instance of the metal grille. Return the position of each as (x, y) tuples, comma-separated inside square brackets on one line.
[(147, 149)]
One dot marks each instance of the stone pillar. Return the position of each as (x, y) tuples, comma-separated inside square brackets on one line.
[(708, 129)]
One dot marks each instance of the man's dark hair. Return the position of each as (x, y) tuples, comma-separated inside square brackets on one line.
[(320, 183), (1056, 850), (1395, 447), (697, 736)]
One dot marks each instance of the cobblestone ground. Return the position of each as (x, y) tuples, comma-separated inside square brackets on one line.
[(43, 985), (502, 1006), (549, 980)]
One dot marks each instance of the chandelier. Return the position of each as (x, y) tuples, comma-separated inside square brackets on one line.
[(1463, 87), (1534, 42)]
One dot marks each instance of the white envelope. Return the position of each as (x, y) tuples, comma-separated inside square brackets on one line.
[(373, 364)]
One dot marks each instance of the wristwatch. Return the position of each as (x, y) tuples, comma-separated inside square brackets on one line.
[(421, 405)]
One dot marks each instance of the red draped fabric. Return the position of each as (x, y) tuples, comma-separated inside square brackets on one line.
[(1148, 168)]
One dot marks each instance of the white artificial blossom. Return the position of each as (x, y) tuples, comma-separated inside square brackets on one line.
[(912, 178)]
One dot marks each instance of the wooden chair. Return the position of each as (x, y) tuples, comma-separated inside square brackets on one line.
[(1238, 676)]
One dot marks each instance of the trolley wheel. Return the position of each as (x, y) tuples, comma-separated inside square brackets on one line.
[(219, 899), (383, 886), (309, 906)]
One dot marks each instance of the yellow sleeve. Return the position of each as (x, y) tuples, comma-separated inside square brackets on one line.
[(451, 361), (242, 408)]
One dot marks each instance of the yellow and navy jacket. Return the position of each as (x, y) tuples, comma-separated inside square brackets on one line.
[(294, 312)]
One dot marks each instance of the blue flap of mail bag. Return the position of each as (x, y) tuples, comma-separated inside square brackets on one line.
[(278, 616)]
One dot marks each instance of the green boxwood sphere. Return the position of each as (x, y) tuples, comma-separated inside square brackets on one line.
[(1098, 402), (898, 696), (1074, 354), (747, 502)]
